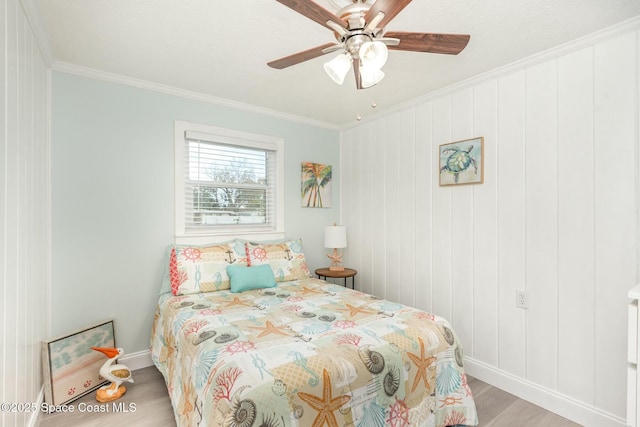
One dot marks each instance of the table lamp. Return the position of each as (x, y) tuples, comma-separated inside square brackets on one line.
[(335, 236)]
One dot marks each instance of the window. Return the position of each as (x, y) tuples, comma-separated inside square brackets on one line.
[(227, 181)]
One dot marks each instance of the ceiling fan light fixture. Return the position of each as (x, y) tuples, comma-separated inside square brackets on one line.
[(374, 54), (338, 67), (370, 76)]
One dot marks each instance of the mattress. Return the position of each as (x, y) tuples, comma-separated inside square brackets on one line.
[(308, 353)]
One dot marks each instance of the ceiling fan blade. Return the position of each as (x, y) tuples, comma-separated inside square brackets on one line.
[(388, 41), (333, 48), (374, 24), (299, 57), (390, 8), (450, 44), (313, 11)]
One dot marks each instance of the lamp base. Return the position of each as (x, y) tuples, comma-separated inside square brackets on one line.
[(336, 268)]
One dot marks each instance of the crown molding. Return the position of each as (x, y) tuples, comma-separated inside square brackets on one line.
[(91, 73), (32, 12), (33, 15), (589, 40)]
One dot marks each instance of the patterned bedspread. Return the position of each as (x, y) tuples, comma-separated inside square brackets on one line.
[(308, 353)]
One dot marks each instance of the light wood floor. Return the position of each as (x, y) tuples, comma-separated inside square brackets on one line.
[(495, 407)]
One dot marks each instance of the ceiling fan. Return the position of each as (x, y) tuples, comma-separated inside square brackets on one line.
[(359, 29)]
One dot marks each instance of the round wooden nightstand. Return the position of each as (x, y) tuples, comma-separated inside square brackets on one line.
[(346, 273)]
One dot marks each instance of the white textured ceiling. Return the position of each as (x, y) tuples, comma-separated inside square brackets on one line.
[(220, 48)]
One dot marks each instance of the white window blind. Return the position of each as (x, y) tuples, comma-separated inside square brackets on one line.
[(229, 182)]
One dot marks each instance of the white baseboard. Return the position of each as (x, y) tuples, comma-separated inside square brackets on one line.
[(137, 360), (551, 400)]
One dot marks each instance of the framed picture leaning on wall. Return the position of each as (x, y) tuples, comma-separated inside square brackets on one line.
[(70, 367)]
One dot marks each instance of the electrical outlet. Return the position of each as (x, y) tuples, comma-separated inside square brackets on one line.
[(522, 299)]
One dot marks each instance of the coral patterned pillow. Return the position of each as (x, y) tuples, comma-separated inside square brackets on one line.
[(286, 259), (195, 269)]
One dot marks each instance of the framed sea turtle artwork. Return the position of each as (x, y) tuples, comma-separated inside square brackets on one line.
[(462, 162)]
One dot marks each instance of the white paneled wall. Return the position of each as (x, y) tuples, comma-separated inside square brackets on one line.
[(25, 211), (556, 217)]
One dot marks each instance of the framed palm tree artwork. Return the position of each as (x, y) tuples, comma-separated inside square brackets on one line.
[(316, 185)]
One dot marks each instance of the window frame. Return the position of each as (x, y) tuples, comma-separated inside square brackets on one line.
[(229, 137)]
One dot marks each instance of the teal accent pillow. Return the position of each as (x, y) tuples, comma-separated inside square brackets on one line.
[(246, 278)]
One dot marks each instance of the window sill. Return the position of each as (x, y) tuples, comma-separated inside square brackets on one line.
[(205, 238)]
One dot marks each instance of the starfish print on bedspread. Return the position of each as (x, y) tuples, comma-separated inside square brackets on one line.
[(306, 291), (422, 363), (237, 301), (269, 328), (353, 311), (325, 405)]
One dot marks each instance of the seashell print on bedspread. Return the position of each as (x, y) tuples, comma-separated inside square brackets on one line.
[(308, 353)]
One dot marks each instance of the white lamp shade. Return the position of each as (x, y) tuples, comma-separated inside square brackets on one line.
[(338, 67), (373, 54), (370, 76), (335, 236)]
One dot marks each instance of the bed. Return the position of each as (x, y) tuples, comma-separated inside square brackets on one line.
[(291, 350)]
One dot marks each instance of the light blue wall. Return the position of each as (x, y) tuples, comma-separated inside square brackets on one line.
[(112, 196)]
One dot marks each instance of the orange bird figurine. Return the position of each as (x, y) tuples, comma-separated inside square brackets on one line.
[(117, 374)]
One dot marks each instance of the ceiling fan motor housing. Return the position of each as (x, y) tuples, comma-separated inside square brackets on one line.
[(354, 42), (354, 15)]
